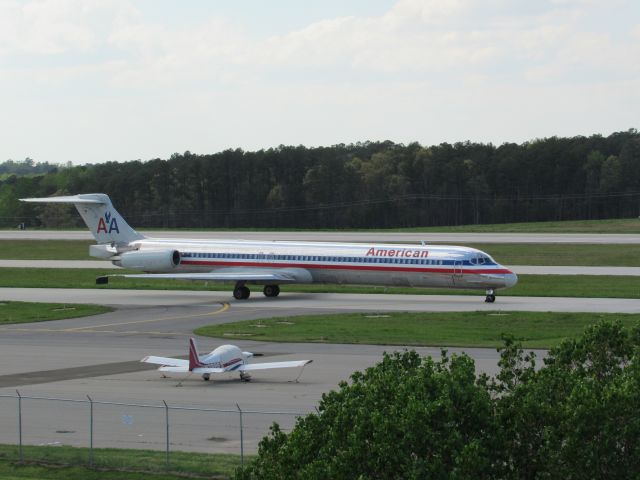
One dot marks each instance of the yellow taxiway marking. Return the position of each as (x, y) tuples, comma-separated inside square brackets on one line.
[(90, 328), (225, 306)]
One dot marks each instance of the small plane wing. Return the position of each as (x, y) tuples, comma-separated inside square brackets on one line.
[(265, 366), (208, 370), (166, 361), (174, 369)]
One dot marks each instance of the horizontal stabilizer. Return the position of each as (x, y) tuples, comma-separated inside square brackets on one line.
[(104, 222), (266, 366), (80, 199)]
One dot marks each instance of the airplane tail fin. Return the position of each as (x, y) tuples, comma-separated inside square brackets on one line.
[(194, 358), (104, 221)]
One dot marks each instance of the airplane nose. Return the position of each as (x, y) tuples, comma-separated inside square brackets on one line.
[(510, 279)]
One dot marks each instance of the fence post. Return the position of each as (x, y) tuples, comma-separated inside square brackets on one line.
[(90, 431), (20, 426), (166, 414), (241, 438)]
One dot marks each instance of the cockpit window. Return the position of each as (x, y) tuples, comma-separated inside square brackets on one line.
[(481, 259)]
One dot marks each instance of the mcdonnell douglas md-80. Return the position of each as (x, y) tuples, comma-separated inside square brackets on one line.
[(275, 263)]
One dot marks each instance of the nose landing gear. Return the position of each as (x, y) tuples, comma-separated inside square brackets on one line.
[(491, 296)]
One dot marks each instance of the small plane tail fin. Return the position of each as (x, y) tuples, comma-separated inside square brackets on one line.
[(104, 221), (194, 358)]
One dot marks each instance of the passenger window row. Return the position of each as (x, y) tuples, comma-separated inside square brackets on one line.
[(316, 258)]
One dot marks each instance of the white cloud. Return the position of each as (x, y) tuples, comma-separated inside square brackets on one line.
[(430, 65)]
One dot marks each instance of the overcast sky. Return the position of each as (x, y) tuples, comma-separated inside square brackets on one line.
[(95, 80)]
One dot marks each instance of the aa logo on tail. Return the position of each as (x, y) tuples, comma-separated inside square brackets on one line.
[(107, 220)]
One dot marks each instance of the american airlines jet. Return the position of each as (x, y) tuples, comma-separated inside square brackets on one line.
[(272, 264)]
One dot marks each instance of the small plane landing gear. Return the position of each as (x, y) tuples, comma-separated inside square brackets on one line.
[(240, 292), (271, 290), (245, 377), (206, 377), (491, 296)]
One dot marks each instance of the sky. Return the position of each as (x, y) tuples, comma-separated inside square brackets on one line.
[(88, 81)]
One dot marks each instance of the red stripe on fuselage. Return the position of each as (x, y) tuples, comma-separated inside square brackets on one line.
[(381, 268)]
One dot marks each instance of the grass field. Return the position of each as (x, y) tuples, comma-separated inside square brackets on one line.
[(68, 463), (528, 285), (464, 329), (505, 253), (24, 312)]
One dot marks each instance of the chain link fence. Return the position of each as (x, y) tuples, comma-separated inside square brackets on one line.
[(94, 424)]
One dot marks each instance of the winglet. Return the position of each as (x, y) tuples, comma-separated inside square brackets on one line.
[(194, 359)]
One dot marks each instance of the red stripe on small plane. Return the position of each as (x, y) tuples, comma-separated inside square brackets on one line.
[(231, 362), (390, 268)]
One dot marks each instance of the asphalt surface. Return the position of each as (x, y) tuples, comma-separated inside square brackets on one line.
[(99, 356), (339, 236)]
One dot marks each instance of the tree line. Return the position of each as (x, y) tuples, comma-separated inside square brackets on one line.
[(361, 185)]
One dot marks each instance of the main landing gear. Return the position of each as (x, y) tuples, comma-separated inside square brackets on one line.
[(491, 296), (242, 292), (245, 377), (271, 290)]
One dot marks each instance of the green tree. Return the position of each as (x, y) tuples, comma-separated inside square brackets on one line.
[(410, 417), (407, 417)]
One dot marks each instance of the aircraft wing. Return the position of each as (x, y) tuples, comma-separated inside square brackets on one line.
[(166, 361), (247, 274), (174, 369), (265, 366), (208, 370)]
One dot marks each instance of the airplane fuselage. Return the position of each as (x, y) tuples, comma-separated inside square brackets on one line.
[(342, 263)]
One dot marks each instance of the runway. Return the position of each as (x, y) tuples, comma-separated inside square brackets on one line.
[(291, 303), (348, 236)]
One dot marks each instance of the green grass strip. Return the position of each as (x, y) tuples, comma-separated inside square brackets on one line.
[(463, 329), (596, 286), (45, 249), (27, 312), (504, 253), (45, 462)]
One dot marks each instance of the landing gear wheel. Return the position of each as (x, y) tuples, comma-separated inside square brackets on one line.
[(241, 293), (206, 377), (271, 290), (491, 296), (245, 377)]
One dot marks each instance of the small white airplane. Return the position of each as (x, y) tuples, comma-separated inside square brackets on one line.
[(275, 263), (226, 358)]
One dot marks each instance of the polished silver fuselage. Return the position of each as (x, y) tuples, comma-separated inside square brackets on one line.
[(342, 263)]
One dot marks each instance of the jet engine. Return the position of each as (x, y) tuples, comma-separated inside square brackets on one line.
[(149, 260)]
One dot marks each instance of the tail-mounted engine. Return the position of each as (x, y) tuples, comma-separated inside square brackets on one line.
[(149, 260)]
